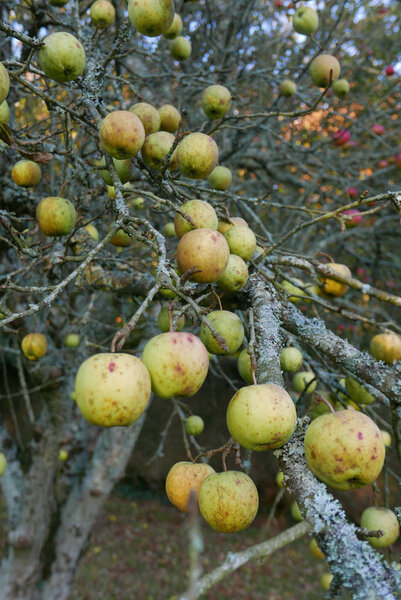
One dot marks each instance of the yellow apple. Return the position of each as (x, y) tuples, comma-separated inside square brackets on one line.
[(375, 518), (34, 345), (182, 479)]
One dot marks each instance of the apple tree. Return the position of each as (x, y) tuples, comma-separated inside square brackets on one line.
[(228, 174)]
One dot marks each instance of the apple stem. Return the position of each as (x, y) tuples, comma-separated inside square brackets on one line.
[(218, 299), (326, 255), (324, 400)]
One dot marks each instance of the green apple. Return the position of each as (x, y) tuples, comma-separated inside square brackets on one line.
[(261, 417), (228, 501), (314, 548), (72, 340), (180, 48), (322, 67), (149, 116), (244, 365), (386, 436), (112, 389), (224, 226), (169, 229), (92, 231), (326, 580), (4, 112), (4, 83), (305, 20), (194, 425), (121, 134), (295, 512), (138, 203), (163, 321), (102, 13), (294, 290), (288, 87), (375, 518), (301, 381), (34, 345), (121, 239), (204, 250), (202, 214), (229, 326), (3, 463), (358, 393), (290, 359), (151, 17), (341, 88), (56, 216), (216, 101), (123, 168), (63, 455), (183, 479), (235, 275), (197, 155), (26, 173), (280, 479), (170, 118), (386, 347), (241, 241), (175, 28), (156, 148), (351, 459), (178, 363), (220, 178), (62, 57)]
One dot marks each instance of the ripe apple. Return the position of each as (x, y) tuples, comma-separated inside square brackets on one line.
[(377, 129), (228, 501), (335, 288), (194, 425), (220, 178), (386, 347), (356, 218), (56, 216), (357, 392), (121, 239), (316, 550), (397, 161), (352, 192), (342, 137), (390, 70), (62, 57), (72, 340), (301, 380), (123, 168), (112, 389), (305, 20), (295, 512), (4, 83), (169, 229), (197, 155), (151, 17), (261, 417), (382, 164), (170, 118), (121, 134), (178, 363), (350, 460), (216, 101), (156, 148), (3, 463), (175, 28), (34, 345), (102, 13), (182, 479), (241, 241), (4, 112), (323, 69), (341, 87), (235, 275), (386, 436), (26, 173), (224, 226), (163, 321), (180, 48), (288, 88), (207, 251), (149, 115), (202, 214), (290, 359), (375, 518), (244, 366), (229, 326), (326, 580)]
